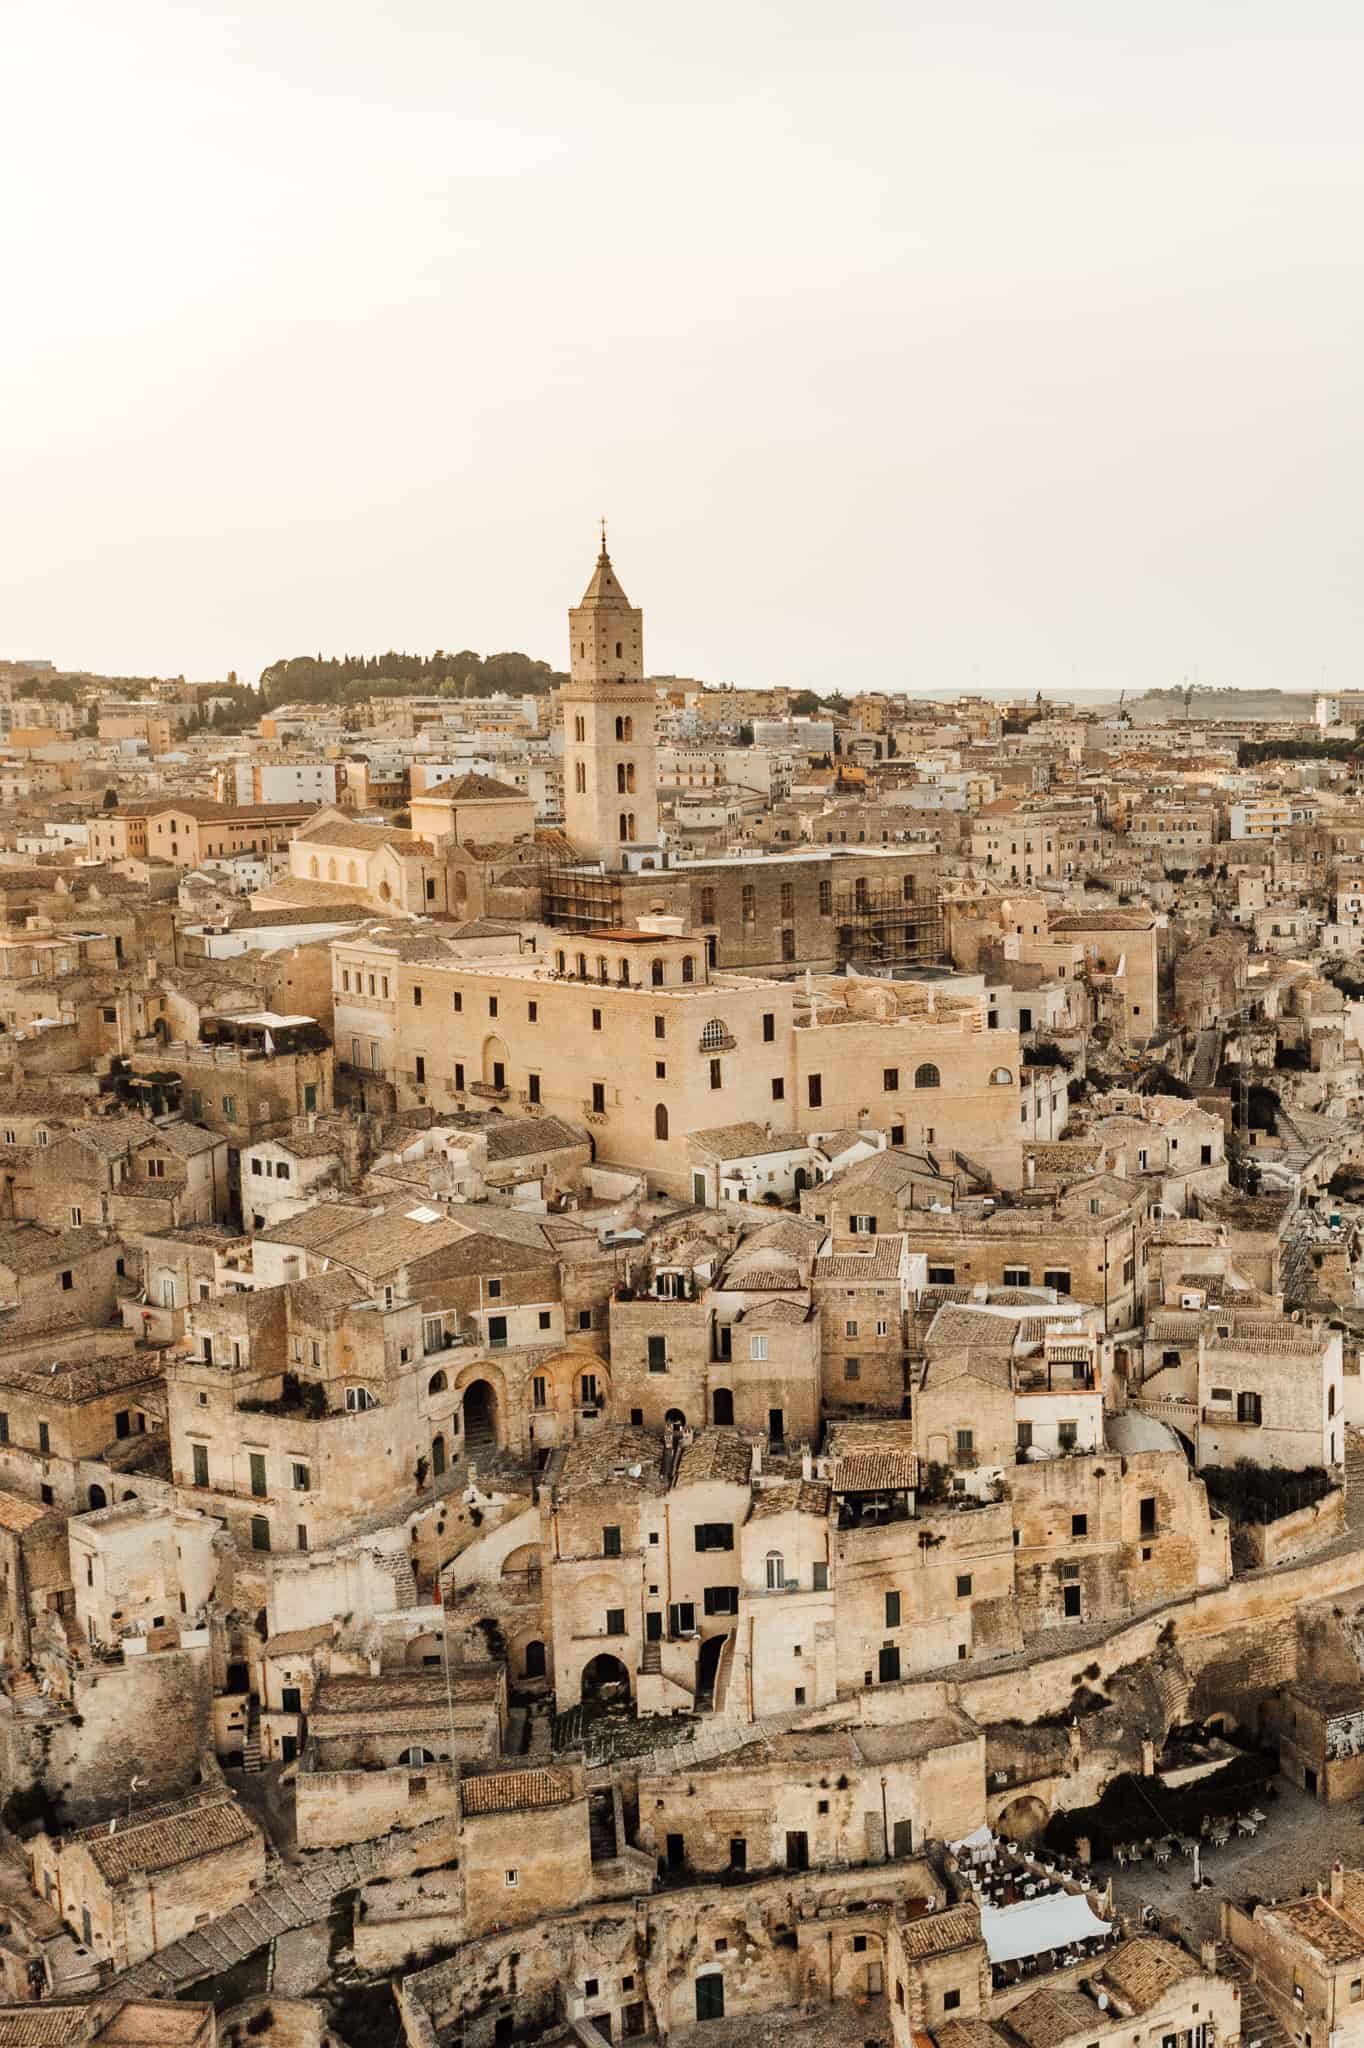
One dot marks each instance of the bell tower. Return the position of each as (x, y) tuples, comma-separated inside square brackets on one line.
[(610, 742)]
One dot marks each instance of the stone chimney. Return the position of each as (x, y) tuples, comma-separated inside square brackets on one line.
[(1207, 1956), (807, 1465), (1337, 1885)]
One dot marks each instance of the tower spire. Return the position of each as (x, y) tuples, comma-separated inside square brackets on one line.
[(602, 557)]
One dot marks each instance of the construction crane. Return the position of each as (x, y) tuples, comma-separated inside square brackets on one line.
[(1187, 694), (1123, 717)]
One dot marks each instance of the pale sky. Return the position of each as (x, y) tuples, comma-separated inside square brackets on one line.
[(901, 344)]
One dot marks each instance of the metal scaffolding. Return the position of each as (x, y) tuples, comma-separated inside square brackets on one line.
[(875, 928), (582, 899)]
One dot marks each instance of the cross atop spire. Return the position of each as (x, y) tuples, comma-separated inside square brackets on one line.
[(602, 557)]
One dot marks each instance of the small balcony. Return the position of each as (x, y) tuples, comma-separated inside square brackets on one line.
[(489, 1090)]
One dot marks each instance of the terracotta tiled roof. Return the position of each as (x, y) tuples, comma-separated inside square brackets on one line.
[(715, 1454), (875, 1471), (176, 1838), (1144, 1970), (1047, 2018), (16, 1514), (799, 1497), (1317, 1923), (32, 2026), (936, 1933), (882, 1262), (509, 1791)]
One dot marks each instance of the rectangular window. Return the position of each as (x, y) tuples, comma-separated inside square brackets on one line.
[(200, 1452), (533, 1087), (721, 1599), (1057, 1277), (852, 1368), (769, 1027), (966, 1446), (596, 1020), (419, 1068), (658, 1354), (615, 1621), (257, 1474), (942, 1276), (716, 1078), (660, 1027), (1017, 1276), (1079, 1525), (714, 1536), (757, 1349), (44, 1438), (963, 1585), (778, 1089), (610, 1541), (301, 1478), (815, 1091), (416, 998), (890, 1079), (598, 1098), (892, 1610), (260, 1533)]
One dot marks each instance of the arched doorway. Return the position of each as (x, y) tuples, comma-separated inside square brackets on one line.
[(707, 1664), (480, 1418), (606, 1679), (675, 1419), (1022, 1820), (494, 1063), (722, 1406), (533, 1663), (437, 1456), (98, 1497)]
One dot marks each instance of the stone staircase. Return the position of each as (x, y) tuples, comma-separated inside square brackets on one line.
[(1260, 2025), (24, 1690), (651, 1658), (305, 1893), (252, 1754)]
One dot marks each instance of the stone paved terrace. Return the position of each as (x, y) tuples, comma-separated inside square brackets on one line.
[(1293, 1850)]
